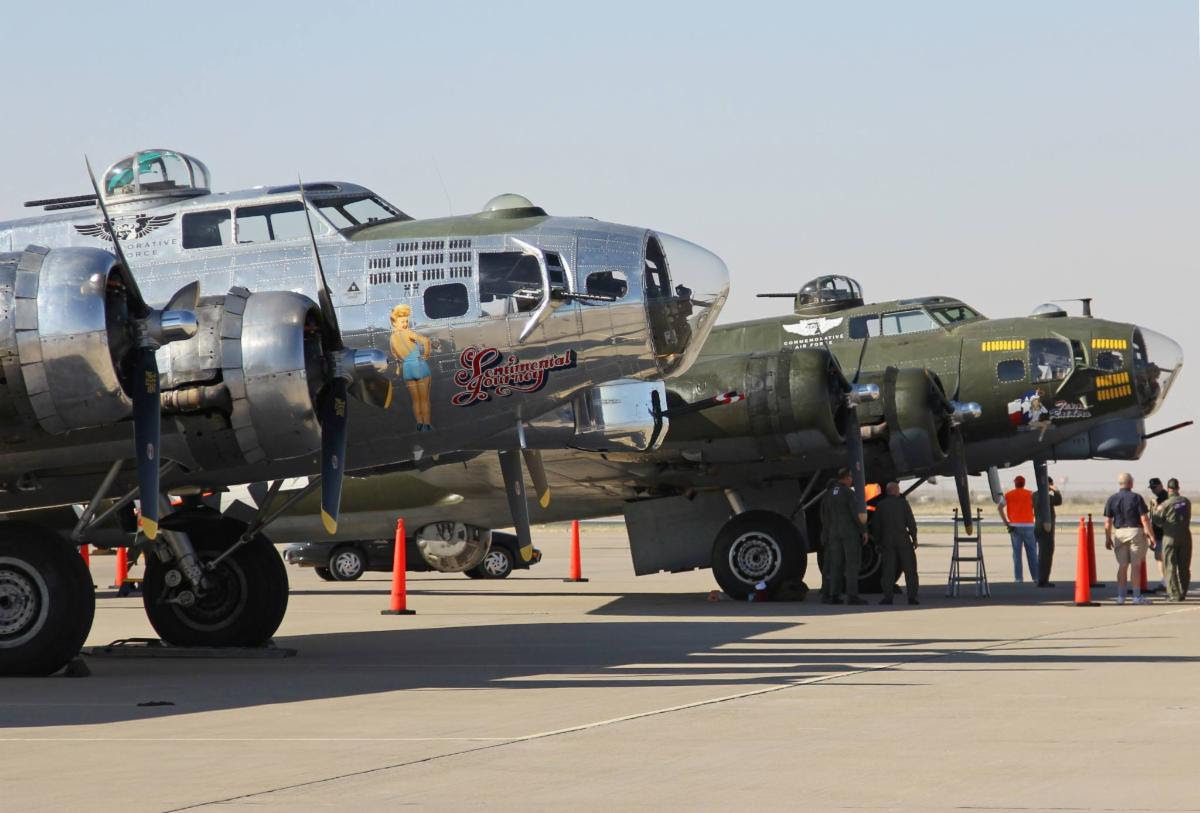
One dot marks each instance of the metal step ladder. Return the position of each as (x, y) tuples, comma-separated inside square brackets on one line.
[(956, 576)]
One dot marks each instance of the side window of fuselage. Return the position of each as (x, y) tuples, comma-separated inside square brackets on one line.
[(863, 327), (206, 229), (900, 323), (1010, 370), (1049, 359)]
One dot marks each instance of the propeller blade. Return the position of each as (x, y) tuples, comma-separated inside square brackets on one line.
[(514, 490), (537, 473), (324, 296), (147, 426), (958, 464), (333, 451), (142, 308), (854, 452), (1041, 476)]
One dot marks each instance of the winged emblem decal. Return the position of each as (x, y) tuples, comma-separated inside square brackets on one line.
[(127, 228), (813, 327)]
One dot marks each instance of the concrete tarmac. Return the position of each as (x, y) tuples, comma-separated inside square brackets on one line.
[(632, 693)]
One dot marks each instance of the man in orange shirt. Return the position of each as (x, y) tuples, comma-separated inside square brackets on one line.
[(1016, 512)]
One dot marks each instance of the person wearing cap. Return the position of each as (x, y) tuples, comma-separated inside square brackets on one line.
[(1159, 494), (1016, 512), (1126, 531), (1044, 532), (846, 537), (1174, 516)]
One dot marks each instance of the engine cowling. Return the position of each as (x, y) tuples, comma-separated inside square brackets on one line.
[(916, 414), (244, 388), (65, 339), (452, 547), (793, 401)]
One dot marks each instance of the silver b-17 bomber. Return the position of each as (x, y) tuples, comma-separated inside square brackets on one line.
[(296, 331)]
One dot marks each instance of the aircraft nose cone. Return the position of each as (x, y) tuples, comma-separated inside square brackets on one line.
[(685, 306), (1156, 364)]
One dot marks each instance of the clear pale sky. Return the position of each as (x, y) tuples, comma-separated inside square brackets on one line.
[(1004, 152)]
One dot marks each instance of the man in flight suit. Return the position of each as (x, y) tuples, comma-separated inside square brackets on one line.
[(1174, 516), (895, 531), (846, 535)]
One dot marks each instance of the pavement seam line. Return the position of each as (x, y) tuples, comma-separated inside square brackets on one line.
[(673, 709)]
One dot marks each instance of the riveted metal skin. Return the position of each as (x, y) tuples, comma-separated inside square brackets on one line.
[(59, 318)]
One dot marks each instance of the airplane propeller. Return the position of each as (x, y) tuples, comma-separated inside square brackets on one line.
[(344, 365), (958, 450), (851, 433), (151, 329)]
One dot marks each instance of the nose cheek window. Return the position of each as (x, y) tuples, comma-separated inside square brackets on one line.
[(1050, 359)]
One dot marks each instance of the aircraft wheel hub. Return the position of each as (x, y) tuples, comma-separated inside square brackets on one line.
[(224, 596), (755, 557), (22, 603)]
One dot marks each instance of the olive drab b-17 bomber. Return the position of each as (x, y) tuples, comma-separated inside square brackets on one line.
[(300, 330), (907, 389)]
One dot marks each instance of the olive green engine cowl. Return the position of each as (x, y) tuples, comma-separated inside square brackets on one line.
[(780, 399)]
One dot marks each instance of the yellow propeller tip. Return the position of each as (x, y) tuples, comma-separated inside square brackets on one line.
[(387, 400), (329, 522), (527, 553), (544, 500), (149, 528)]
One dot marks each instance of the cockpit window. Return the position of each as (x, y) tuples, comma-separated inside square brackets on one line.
[(355, 211), (1050, 359), (954, 314), (900, 323), (275, 221)]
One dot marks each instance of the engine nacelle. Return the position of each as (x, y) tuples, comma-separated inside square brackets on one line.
[(793, 401), (244, 387), (452, 547), (916, 414), (65, 337)]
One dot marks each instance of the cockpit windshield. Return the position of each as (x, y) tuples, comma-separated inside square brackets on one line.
[(355, 210), (954, 314)]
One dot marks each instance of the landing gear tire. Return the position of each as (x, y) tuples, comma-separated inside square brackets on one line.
[(324, 573), (757, 546), (473, 573), (870, 574), (347, 563), (497, 564), (245, 596), (47, 601)]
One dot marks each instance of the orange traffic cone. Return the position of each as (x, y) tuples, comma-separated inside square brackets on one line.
[(1142, 582), (122, 568), (399, 604), (576, 560), (1083, 563), (1091, 531)]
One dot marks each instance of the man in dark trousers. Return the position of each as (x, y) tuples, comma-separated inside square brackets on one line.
[(845, 534), (1174, 516), (1045, 538), (895, 531), (1158, 496)]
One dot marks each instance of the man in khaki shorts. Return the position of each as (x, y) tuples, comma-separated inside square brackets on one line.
[(1127, 532)]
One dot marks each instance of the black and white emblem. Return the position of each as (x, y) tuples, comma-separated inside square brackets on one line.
[(126, 227)]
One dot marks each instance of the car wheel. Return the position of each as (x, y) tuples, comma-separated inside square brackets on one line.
[(347, 563), (496, 564), (757, 546), (324, 573)]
